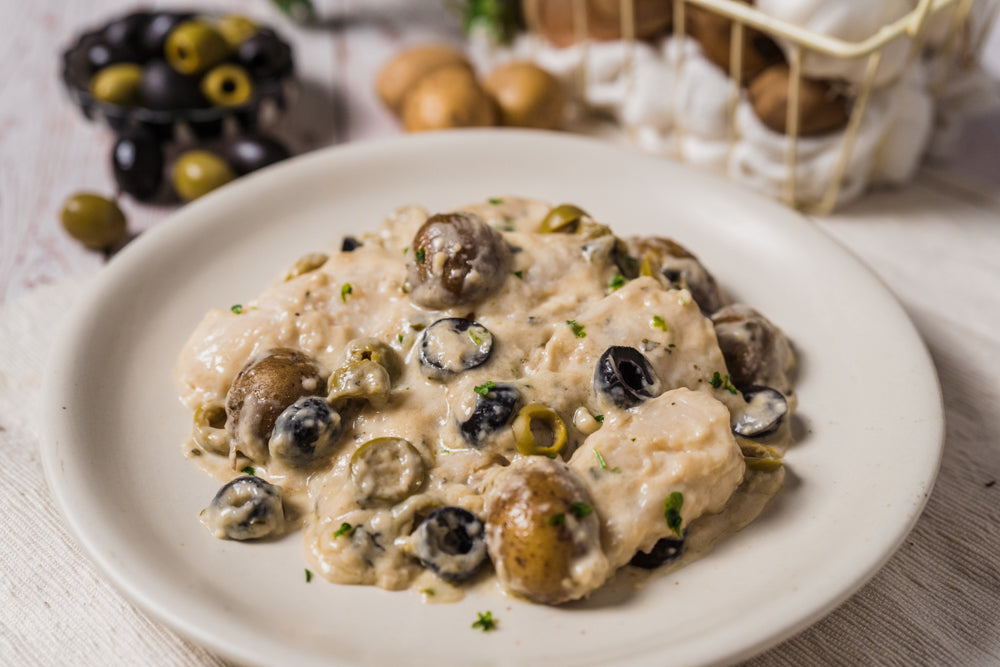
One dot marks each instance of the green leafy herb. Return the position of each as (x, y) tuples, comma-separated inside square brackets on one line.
[(557, 519), (617, 282), (249, 471), (399, 338), (718, 381), (427, 591), (475, 337), (344, 291), (519, 274), (406, 250), (236, 308), (345, 529), (495, 200), (485, 622), (421, 255), (659, 323), (600, 459), (309, 575), (599, 419), (577, 328), (672, 511), (485, 388), (581, 510)]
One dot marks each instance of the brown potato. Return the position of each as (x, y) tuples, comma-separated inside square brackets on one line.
[(261, 391), (714, 33), (402, 72), (660, 256), (448, 97), (555, 21), (822, 108), (541, 532), (527, 96), (755, 350)]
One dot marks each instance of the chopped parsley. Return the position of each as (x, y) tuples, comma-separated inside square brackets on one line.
[(421, 255), (577, 328), (475, 337), (600, 459), (557, 519), (427, 591), (484, 388), (581, 510), (399, 338), (519, 274), (309, 575), (599, 419), (406, 250), (495, 200), (236, 308), (485, 622), (344, 291), (659, 323), (672, 511), (249, 471), (345, 529), (718, 381), (617, 282)]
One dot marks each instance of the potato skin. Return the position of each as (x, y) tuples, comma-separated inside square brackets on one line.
[(604, 20), (540, 548), (448, 97), (402, 72), (261, 391), (821, 108), (527, 96)]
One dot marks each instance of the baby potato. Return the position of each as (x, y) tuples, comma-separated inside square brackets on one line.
[(714, 33), (448, 97), (556, 20), (527, 96), (542, 533), (402, 72), (822, 108)]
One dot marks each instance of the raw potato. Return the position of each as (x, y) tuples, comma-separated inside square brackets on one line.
[(527, 96), (400, 75), (603, 19), (448, 97), (541, 545), (714, 33), (821, 108)]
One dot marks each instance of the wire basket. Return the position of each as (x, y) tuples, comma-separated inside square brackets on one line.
[(958, 41)]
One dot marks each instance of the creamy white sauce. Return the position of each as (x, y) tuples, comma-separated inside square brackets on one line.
[(561, 306)]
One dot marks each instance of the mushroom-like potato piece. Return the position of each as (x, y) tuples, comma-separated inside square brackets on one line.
[(527, 96), (665, 258), (261, 391), (714, 33), (447, 97), (402, 72), (822, 108), (458, 258), (555, 20), (755, 350), (542, 533)]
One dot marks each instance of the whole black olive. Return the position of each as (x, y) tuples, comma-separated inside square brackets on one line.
[(100, 54), (252, 152), (452, 345), (163, 87), (125, 34), (764, 412), (625, 376), (493, 411), (137, 163), (452, 542), (664, 551), (264, 55), (156, 30)]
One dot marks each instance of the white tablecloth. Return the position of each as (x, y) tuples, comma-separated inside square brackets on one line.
[(936, 602)]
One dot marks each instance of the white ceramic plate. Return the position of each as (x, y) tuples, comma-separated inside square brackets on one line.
[(871, 417)]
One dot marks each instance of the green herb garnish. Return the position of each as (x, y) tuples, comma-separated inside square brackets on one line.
[(659, 323), (718, 381), (599, 419), (672, 511), (495, 200), (485, 388), (486, 622), (249, 471), (309, 575), (427, 591), (617, 282), (519, 274), (421, 255), (345, 528), (344, 291), (577, 328), (600, 459), (581, 510), (557, 519), (236, 308)]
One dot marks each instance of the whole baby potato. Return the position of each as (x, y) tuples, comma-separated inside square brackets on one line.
[(822, 108), (713, 32), (555, 19), (447, 97), (402, 72), (541, 532), (527, 96), (261, 391)]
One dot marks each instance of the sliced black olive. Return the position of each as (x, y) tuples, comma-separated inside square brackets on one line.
[(493, 411), (252, 152), (137, 163), (163, 87), (764, 412), (350, 244), (247, 508), (452, 345), (305, 432), (452, 542), (625, 376), (664, 551)]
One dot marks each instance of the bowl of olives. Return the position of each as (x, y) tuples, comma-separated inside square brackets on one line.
[(180, 74)]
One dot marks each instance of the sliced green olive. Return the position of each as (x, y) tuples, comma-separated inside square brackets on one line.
[(387, 470), (227, 85), (236, 29), (93, 220), (531, 416), (197, 173), (759, 457), (305, 264), (194, 46), (372, 349), (563, 219), (365, 380), (209, 431), (117, 84)]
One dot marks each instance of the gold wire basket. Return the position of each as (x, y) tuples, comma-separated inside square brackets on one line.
[(962, 46)]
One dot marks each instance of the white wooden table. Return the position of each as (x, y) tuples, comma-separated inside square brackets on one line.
[(936, 244)]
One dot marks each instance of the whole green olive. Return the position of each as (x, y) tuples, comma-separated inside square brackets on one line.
[(194, 46), (198, 172), (117, 84), (93, 220), (227, 85)]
